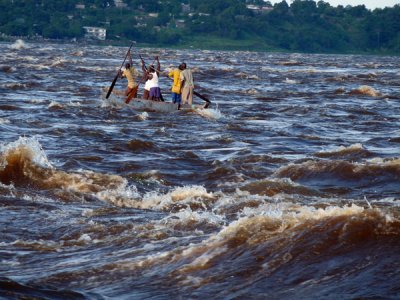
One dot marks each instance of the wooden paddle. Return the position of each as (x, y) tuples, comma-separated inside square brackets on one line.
[(132, 94), (119, 70), (204, 98), (134, 91)]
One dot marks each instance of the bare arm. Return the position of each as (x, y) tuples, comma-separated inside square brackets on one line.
[(158, 65), (144, 69)]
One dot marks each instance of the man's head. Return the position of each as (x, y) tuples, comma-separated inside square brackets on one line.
[(127, 66), (151, 68), (183, 65)]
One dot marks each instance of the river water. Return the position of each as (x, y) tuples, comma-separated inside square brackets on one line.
[(288, 187)]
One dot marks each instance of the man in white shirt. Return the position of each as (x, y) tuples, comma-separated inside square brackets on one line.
[(151, 88)]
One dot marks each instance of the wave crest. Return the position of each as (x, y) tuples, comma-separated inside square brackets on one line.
[(365, 90), (24, 163), (340, 169)]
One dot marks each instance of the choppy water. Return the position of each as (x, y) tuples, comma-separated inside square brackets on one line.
[(287, 188)]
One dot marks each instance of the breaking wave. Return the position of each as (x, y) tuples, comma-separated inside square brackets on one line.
[(365, 90), (272, 242), (18, 45), (355, 151), (376, 173), (24, 163)]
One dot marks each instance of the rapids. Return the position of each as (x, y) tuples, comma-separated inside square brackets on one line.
[(286, 188)]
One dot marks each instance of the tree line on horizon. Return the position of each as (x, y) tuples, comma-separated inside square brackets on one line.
[(304, 25)]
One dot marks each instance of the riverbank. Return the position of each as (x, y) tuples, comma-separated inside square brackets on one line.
[(198, 42)]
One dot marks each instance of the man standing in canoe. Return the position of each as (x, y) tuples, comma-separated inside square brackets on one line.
[(151, 88), (176, 85), (187, 85), (130, 73)]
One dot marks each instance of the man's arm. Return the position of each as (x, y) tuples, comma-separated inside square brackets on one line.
[(144, 69), (121, 74), (158, 65), (182, 78)]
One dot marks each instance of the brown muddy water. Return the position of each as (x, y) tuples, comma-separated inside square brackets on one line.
[(288, 187)]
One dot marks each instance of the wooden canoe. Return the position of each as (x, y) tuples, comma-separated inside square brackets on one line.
[(118, 98)]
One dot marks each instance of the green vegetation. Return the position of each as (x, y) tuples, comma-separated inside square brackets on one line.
[(304, 26)]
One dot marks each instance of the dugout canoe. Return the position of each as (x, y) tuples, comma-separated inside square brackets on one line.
[(117, 98)]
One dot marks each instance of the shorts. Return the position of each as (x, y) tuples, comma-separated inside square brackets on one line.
[(176, 98), (155, 92)]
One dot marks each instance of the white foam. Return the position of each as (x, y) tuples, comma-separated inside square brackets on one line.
[(274, 211), (18, 45), (209, 113), (353, 147), (391, 200), (74, 104), (87, 212), (77, 53), (290, 81), (161, 129), (54, 104), (36, 101), (37, 66), (143, 116), (9, 262), (16, 85), (85, 238), (252, 91), (357, 146), (183, 195), (38, 156), (367, 90), (382, 162), (123, 195), (58, 61), (187, 216), (38, 199)]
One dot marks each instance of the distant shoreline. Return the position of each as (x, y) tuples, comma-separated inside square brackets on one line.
[(229, 45)]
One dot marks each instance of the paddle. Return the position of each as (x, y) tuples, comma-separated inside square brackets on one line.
[(119, 70), (134, 91), (204, 98)]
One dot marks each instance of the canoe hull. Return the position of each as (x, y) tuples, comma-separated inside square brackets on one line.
[(117, 98)]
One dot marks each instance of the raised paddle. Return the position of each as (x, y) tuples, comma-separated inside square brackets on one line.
[(119, 70)]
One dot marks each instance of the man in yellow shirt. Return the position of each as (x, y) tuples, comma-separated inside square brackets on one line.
[(176, 86), (130, 73)]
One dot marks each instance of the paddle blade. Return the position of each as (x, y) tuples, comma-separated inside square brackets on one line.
[(112, 86)]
